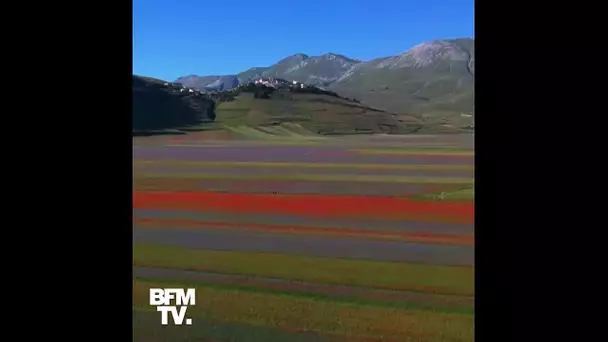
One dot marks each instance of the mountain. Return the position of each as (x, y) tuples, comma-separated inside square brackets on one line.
[(209, 82), (433, 80), (318, 70)]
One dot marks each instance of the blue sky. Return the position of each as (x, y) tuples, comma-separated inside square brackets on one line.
[(173, 38)]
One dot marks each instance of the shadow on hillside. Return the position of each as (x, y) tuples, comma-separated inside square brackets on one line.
[(157, 110), (180, 131), (194, 130), (156, 133)]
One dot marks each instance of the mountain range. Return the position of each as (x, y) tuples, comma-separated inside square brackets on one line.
[(433, 80)]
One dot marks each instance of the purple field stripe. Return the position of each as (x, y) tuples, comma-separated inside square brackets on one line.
[(273, 171), (284, 154), (296, 187), (311, 287), (307, 245), (372, 225)]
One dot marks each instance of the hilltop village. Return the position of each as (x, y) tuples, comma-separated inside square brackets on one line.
[(262, 88), (276, 83)]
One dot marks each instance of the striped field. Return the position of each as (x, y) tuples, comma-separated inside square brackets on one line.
[(338, 240)]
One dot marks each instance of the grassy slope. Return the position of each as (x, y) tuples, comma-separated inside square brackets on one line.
[(297, 115)]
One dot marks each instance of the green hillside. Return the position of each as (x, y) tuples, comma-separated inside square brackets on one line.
[(306, 114)]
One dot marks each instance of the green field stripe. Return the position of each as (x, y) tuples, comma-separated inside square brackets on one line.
[(436, 305), (406, 151), (147, 328), (378, 274), (170, 184), (293, 314), (311, 177), (314, 165), (459, 194)]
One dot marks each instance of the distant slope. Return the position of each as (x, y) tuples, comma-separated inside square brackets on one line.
[(433, 80), (155, 108)]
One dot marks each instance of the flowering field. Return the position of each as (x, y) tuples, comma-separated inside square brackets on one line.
[(344, 240)]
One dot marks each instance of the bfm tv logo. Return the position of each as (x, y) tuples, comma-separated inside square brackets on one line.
[(161, 298)]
